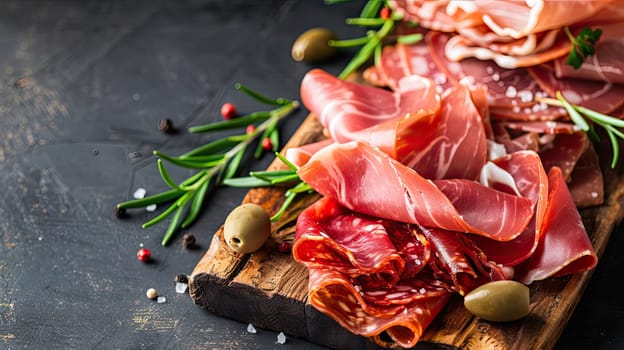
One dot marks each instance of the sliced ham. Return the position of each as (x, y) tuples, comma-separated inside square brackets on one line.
[(531, 181), (366, 180), (603, 97), (457, 257), (431, 143), (606, 63), (345, 107), (565, 247)]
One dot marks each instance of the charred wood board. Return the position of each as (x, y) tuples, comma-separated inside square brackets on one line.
[(269, 289)]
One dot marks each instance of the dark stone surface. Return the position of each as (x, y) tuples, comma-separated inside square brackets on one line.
[(83, 87)]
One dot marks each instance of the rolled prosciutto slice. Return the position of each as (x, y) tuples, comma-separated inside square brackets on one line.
[(366, 180)]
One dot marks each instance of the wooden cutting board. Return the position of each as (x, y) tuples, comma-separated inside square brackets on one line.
[(269, 289)]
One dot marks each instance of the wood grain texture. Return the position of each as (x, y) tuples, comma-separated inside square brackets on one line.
[(269, 289)]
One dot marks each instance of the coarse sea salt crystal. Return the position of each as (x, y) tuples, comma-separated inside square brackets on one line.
[(150, 207), (180, 288), (511, 92), (281, 338), (139, 193), (251, 329), (161, 300)]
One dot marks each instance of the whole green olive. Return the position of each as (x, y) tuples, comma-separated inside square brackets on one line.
[(312, 45), (246, 228), (499, 301)]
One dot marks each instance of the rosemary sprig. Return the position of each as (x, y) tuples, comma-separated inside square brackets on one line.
[(216, 161), (372, 43), (586, 119), (274, 178)]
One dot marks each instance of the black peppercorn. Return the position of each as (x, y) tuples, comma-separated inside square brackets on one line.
[(188, 241), (119, 212), (180, 278), (165, 125)]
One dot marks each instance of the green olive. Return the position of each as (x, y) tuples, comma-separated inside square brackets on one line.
[(499, 301), (246, 228), (312, 45)]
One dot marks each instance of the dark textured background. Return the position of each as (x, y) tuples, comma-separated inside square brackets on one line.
[(83, 86)]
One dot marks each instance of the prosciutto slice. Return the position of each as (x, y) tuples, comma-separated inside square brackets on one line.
[(366, 180), (565, 247), (345, 107)]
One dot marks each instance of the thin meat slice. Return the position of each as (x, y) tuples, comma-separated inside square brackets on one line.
[(301, 154), (432, 143), (564, 152), (366, 180), (333, 294), (457, 257), (330, 236), (565, 247), (586, 182), (529, 178), (345, 107), (603, 97)]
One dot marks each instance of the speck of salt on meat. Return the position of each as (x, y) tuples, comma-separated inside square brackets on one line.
[(511, 92)]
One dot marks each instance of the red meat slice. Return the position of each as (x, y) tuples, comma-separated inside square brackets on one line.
[(366, 180)]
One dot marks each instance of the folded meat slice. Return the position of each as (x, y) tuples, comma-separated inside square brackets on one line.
[(458, 259), (346, 107), (531, 181), (432, 143), (564, 247), (366, 180), (330, 236), (333, 294)]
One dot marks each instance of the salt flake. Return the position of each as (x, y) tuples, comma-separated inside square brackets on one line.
[(139, 193), (180, 288), (251, 329), (281, 338), (150, 207), (161, 300)]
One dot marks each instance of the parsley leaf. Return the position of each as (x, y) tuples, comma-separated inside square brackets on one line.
[(582, 45)]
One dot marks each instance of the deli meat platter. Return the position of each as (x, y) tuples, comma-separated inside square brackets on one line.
[(269, 289), (446, 162)]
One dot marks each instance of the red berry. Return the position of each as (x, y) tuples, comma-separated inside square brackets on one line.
[(250, 128), (228, 111), (384, 13), (285, 247), (267, 145), (144, 254)]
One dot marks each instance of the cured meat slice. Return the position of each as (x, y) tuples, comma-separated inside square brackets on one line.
[(606, 63), (333, 294), (345, 107), (603, 97), (586, 182), (564, 247), (457, 257), (329, 236), (366, 180), (432, 143), (564, 151), (301, 154), (531, 181)]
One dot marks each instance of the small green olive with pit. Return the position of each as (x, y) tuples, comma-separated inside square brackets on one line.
[(246, 228), (312, 45), (499, 301)]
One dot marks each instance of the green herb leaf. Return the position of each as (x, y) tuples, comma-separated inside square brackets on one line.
[(410, 38), (172, 226), (371, 8), (582, 45)]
